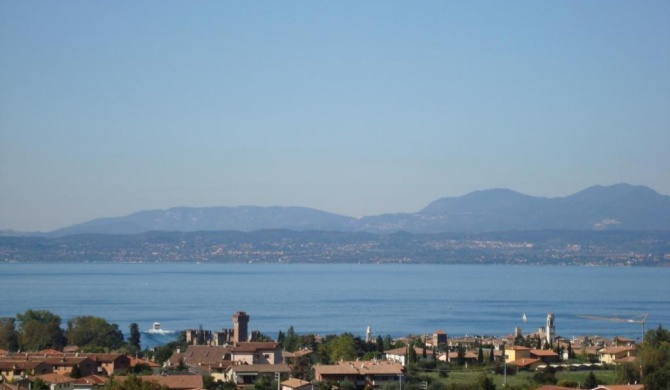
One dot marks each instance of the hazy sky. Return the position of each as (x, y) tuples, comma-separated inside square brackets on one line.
[(352, 107)]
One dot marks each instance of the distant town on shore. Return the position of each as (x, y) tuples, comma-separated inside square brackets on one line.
[(91, 354)]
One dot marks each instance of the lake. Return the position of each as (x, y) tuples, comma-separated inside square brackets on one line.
[(393, 299)]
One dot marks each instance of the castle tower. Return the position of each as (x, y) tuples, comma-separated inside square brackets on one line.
[(551, 331), (240, 321)]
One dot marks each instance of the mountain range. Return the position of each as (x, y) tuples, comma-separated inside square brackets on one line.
[(615, 207)]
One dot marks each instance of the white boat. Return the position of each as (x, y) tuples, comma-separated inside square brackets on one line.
[(524, 317), (157, 326)]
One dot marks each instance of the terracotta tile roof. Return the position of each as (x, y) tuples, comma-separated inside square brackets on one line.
[(103, 357), (91, 380), (50, 352), (519, 348), (619, 387), (3, 352), (19, 364), (524, 362), (55, 378), (239, 368), (171, 381), (254, 346), (396, 351), (543, 352), (135, 361), (294, 383), (549, 387), (297, 354), (66, 360), (201, 355)]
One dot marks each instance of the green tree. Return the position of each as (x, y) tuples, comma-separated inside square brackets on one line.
[(547, 376), (627, 373), (264, 382), (8, 336), (280, 338), (379, 344), (591, 381), (93, 333), (292, 341), (491, 356), (39, 384), (39, 329), (343, 347), (654, 359), (485, 382), (461, 355), (134, 338), (567, 383), (411, 354), (480, 355)]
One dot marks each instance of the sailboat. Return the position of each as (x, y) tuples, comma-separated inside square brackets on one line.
[(524, 317)]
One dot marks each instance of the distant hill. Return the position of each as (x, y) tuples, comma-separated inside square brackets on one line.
[(616, 207), (191, 219)]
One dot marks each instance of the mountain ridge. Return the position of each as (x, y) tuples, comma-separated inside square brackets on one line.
[(620, 206)]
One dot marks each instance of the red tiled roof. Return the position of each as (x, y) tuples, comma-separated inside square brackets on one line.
[(294, 383), (524, 362), (55, 378), (91, 379), (171, 381), (260, 368), (543, 352)]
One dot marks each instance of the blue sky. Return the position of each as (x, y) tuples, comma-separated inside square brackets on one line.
[(352, 107)]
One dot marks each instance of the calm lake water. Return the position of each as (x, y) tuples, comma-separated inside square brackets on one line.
[(324, 299)]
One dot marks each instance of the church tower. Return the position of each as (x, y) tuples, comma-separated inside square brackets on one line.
[(551, 331), (240, 321)]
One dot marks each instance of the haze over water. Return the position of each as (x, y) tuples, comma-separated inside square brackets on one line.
[(324, 299)]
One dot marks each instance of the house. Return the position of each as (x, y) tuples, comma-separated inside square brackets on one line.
[(92, 382), (153, 366), (295, 357), (248, 374), (550, 387), (256, 353), (620, 341), (172, 382), (57, 381), (201, 355), (611, 355), (516, 352), (528, 364), (398, 355), (12, 370), (547, 356), (296, 384), (452, 357), (108, 363), (361, 373), (65, 365), (619, 387)]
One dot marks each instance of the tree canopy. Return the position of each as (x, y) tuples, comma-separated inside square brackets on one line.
[(93, 333), (8, 336), (40, 329), (655, 359)]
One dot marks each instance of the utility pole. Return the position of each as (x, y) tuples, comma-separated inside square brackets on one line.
[(504, 358)]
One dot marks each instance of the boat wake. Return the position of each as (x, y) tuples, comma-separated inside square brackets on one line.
[(159, 331)]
